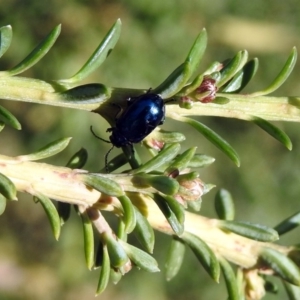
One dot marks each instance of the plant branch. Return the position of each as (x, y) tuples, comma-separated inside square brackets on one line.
[(65, 185)]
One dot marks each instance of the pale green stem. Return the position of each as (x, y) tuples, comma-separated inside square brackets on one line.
[(64, 184), (240, 106)]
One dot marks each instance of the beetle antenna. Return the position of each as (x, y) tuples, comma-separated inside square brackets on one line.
[(98, 137), (106, 158)]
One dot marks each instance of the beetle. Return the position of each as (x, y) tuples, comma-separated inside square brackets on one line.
[(142, 115)]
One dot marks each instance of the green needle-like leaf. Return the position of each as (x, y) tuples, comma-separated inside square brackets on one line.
[(51, 213), (164, 156), (163, 184), (78, 160), (288, 224), (115, 276), (211, 136), (144, 231), (242, 78), (230, 280), (231, 68), (2, 204), (224, 205), (47, 151), (37, 53), (174, 258), (104, 273), (292, 291), (99, 55), (204, 254), (179, 77), (102, 184), (197, 51), (175, 224), (140, 258), (175, 82), (88, 238), (200, 161), (176, 208), (253, 231), (283, 266), (5, 38), (117, 254), (129, 217), (282, 76), (182, 160), (8, 118), (274, 131), (7, 188)]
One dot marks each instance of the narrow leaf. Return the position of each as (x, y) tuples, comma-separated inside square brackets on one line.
[(169, 214), (292, 291), (121, 232), (189, 88), (86, 94), (204, 254), (99, 55), (252, 231), (232, 67), (37, 53), (115, 276), (162, 183), (176, 208), (144, 231), (175, 258), (230, 280), (7, 188), (281, 77), (5, 38), (47, 151), (211, 136), (224, 205), (162, 137), (2, 204), (88, 238), (197, 51), (182, 160), (78, 160), (282, 265), (102, 184), (288, 224), (164, 156), (200, 161), (117, 254), (8, 118), (175, 82), (274, 131), (140, 258), (51, 213), (104, 273), (242, 78), (129, 217)]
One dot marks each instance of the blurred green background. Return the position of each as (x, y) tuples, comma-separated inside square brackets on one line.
[(156, 36)]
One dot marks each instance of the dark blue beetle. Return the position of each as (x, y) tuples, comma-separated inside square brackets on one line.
[(143, 114)]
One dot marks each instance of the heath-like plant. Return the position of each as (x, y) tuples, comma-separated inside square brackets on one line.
[(165, 192)]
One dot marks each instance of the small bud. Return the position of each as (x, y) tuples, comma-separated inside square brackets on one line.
[(207, 91), (186, 102), (191, 190)]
